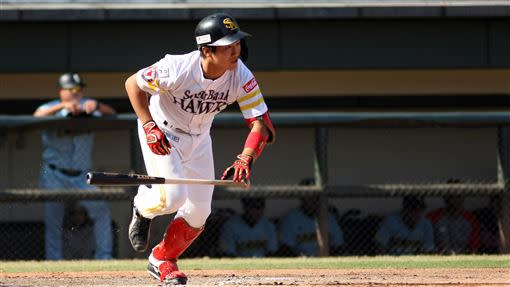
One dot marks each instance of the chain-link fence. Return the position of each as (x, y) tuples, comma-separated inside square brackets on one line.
[(332, 184)]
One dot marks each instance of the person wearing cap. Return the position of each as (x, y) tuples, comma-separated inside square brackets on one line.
[(176, 100), (297, 228), (456, 229), (407, 231), (66, 158), (249, 234)]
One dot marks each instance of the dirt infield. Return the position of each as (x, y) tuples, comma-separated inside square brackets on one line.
[(278, 277)]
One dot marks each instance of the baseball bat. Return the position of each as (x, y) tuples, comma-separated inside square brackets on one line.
[(123, 179)]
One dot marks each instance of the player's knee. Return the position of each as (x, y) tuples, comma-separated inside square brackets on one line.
[(197, 214)]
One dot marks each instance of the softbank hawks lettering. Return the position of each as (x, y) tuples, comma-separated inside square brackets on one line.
[(203, 102)]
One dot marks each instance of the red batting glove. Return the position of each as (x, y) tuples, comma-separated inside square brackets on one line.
[(240, 170), (156, 139)]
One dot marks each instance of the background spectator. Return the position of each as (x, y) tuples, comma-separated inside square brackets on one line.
[(250, 234), (406, 231), (297, 229), (66, 158), (456, 230)]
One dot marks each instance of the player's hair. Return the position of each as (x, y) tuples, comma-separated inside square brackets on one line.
[(244, 50), (200, 48)]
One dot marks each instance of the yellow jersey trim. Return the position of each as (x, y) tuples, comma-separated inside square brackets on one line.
[(251, 105), (248, 96)]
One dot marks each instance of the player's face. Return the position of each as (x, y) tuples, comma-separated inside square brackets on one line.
[(226, 56), (69, 95)]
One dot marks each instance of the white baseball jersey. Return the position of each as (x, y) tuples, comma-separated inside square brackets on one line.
[(186, 100)]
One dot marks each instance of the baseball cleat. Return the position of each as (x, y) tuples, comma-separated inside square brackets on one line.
[(166, 271), (169, 281), (139, 230), (153, 271)]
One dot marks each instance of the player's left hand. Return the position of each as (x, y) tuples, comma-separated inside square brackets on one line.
[(240, 169)]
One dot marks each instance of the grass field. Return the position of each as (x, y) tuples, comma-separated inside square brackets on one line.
[(475, 261)]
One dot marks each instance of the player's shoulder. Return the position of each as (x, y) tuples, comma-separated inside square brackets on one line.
[(84, 99), (179, 63), (242, 70), (181, 58), (245, 77)]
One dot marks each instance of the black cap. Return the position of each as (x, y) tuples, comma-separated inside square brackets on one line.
[(70, 80), (218, 29)]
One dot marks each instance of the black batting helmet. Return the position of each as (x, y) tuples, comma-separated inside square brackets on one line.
[(218, 29), (70, 80)]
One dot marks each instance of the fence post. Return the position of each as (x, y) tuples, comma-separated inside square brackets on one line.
[(321, 180), (503, 179)]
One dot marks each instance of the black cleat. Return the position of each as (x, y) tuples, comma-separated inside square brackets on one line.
[(139, 230), (153, 270), (173, 278)]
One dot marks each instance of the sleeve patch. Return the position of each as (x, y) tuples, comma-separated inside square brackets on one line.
[(149, 74), (163, 73), (250, 85)]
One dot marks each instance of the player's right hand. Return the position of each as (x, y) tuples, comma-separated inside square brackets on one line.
[(156, 139), (73, 107)]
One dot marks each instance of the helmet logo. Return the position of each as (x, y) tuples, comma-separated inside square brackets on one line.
[(203, 39), (229, 24)]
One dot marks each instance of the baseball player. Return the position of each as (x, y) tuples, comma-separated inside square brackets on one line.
[(66, 158), (456, 229), (175, 100), (298, 231), (406, 232), (250, 234)]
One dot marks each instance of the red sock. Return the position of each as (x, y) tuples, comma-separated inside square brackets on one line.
[(178, 237)]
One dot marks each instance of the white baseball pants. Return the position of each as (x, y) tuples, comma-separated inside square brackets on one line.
[(191, 157)]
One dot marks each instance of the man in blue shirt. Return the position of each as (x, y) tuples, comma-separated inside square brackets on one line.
[(66, 158)]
